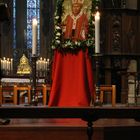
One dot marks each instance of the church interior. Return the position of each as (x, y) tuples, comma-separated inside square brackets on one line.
[(35, 73)]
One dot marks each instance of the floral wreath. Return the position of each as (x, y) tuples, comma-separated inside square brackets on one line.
[(58, 43)]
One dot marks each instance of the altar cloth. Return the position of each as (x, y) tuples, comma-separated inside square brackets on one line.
[(72, 79)]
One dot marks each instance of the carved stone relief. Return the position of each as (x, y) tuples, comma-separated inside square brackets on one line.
[(116, 33)]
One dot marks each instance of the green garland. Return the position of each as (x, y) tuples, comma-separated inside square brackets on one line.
[(57, 42)]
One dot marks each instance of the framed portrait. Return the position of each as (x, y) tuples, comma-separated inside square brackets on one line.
[(74, 24)]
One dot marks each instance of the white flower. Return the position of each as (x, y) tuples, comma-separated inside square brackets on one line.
[(56, 37), (53, 47), (57, 17), (93, 22), (57, 27), (76, 42), (64, 46), (58, 34), (58, 41)]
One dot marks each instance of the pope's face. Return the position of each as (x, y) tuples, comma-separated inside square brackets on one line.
[(76, 8)]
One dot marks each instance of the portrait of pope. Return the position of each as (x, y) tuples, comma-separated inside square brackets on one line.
[(75, 19)]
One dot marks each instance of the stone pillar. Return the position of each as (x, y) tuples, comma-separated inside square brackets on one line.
[(132, 70)]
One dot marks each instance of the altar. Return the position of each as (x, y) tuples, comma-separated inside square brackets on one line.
[(20, 80), (18, 90)]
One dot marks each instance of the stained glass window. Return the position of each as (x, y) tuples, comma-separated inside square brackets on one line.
[(14, 23), (33, 11)]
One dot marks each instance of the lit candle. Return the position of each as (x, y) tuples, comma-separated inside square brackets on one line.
[(8, 64), (44, 65), (34, 37), (11, 64), (1, 64), (97, 32), (4, 63), (41, 63)]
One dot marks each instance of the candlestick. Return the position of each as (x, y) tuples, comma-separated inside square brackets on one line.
[(34, 92), (34, 37), (97, 32), (97, 101), (11, 64)]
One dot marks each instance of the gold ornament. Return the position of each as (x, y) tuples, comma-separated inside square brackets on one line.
[(24, 67)]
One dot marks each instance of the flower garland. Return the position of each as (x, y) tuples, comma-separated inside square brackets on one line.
[(60, 44)]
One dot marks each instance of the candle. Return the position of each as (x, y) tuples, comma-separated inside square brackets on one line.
[(4, 63), (11, 64), (34, 37), (37, 65), (1, 64), (7, 63), (97, 32), (44, 65)]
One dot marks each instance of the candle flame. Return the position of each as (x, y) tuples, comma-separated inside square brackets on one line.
[(35, 21), (97, 15)]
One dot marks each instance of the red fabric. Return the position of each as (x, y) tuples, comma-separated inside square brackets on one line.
[(72, 77)]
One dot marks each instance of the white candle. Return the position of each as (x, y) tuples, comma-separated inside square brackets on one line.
[(8, 64), (97, 32), (34, 37), (11, 64), (1, 64), (4, 63), (44, 65), (37, 65)]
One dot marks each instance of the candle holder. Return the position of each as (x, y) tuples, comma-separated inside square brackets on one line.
[(97, 101), (34, 100), (47, 73)]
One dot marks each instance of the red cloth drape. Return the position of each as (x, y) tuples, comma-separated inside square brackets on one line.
[(72, 79)]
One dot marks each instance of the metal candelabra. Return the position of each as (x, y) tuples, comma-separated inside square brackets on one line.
[(34, 100)]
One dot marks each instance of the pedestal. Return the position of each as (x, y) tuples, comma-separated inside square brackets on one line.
[(97, 58)]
